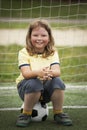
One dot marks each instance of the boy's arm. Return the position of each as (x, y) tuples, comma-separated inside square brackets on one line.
[(28, 73), (55, 70)]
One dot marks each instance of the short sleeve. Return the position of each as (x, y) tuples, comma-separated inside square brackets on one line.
[(55, 58), (23, 58)]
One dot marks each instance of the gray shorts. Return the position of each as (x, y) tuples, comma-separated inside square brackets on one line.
[(35, 85)]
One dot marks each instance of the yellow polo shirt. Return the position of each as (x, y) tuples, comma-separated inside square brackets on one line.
[(35, 62)]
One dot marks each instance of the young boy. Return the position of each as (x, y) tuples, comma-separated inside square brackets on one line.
[(39, 78)]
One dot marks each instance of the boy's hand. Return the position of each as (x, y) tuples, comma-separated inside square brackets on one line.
[(45, 74), (48, 73)]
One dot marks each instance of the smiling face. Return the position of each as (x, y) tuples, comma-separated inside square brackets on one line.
[(39, 39)]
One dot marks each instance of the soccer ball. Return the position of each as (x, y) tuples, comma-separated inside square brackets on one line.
[(40, 111)]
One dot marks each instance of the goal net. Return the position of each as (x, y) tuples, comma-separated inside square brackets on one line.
[(68, 19)]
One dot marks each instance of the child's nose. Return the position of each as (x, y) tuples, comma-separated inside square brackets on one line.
[(39, 38)]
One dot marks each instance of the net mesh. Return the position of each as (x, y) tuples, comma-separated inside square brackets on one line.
[(69, 27)]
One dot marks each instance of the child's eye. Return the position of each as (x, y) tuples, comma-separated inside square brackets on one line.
[(35, 35), (43, 35)]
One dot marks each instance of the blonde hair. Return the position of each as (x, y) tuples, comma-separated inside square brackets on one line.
[(49, 49)]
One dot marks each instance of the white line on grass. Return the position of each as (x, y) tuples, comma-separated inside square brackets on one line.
[(67, 87), (50, 107)]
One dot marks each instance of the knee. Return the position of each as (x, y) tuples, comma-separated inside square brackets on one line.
[(58, 83), (35, 85)]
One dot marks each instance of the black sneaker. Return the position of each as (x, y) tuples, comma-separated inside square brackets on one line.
[(63, 118), (23, 120)]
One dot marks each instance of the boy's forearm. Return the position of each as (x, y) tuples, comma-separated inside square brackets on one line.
[(55, 73)]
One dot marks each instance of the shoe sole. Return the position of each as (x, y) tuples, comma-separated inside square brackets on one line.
[(22, 125), (65, 123)]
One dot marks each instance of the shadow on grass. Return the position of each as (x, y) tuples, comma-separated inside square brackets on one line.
[(8, 120)]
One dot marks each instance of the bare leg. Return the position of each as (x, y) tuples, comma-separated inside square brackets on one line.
[(30, 100), (57, 99)]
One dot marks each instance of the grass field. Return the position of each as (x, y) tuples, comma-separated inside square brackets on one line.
[(8, 120), (52, 9), (39, 8), (9, 99), (73, 63), (54, 25)]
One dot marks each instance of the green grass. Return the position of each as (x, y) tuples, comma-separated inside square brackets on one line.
[(35, 9), (8, 120), (54, 25), (61, 10), (9, 98), (13, 25), (73, 63), (9, 63)]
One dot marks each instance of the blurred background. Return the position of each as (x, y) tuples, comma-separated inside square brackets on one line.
[(68, 19)]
